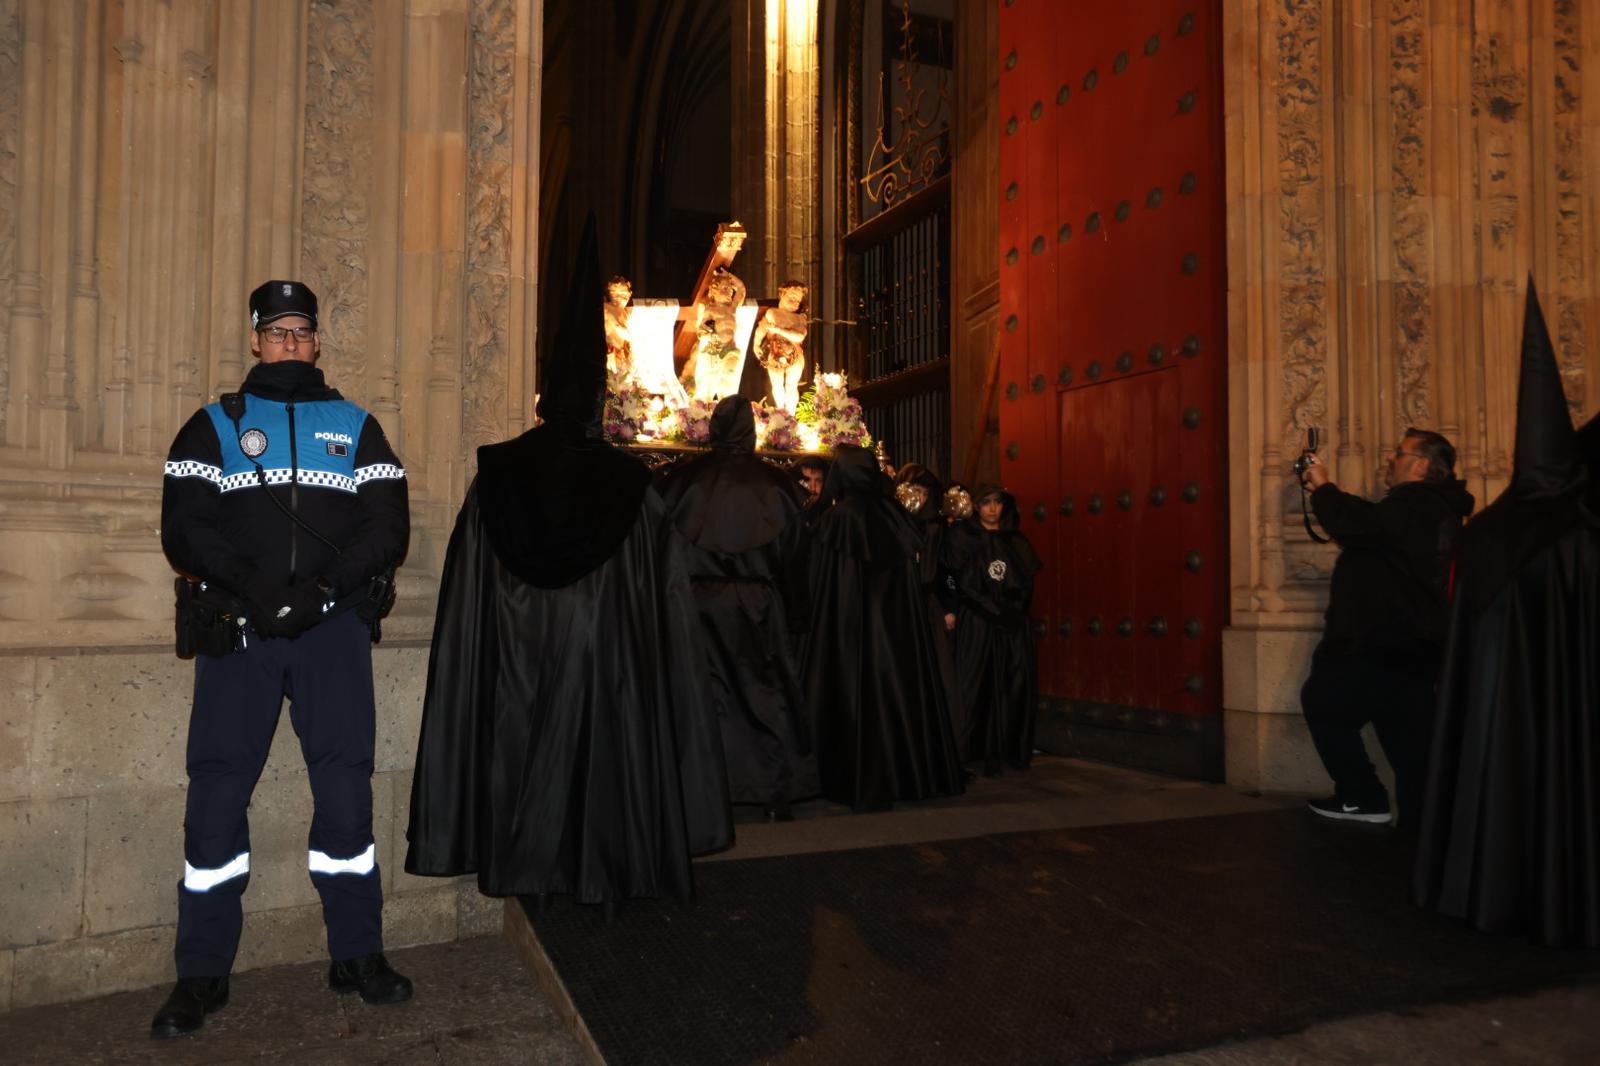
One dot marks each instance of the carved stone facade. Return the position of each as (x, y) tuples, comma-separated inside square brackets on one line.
[(157, 161), (1399, 171)]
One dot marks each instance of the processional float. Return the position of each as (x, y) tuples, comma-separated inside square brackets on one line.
[(653, 407)]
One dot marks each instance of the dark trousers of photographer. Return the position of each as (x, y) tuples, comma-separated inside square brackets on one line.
[(1394, 691), (326, 673)]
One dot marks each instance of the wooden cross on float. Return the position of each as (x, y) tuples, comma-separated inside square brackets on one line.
[(724, 247)]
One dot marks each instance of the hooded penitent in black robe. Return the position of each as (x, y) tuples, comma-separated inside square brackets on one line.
[(937, 585), (996, 663), (566, 746), (1510, 839), (740, 517), (871, 676)]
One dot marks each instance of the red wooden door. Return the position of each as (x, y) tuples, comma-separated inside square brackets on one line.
[(1113, 417)]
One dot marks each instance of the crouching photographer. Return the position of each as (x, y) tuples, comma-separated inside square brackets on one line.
[(1385, 624)]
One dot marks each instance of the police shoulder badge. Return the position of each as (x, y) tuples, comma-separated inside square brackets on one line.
[(253, 442), (997, 570)]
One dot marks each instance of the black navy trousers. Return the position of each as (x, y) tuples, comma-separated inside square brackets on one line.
[(1344, 692), (326, 673)]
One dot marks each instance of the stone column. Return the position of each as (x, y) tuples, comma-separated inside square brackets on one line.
[(777, 141), (752, 105), (27, 311)]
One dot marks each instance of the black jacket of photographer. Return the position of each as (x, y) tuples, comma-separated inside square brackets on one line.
[(1389, 589), (325, 458)]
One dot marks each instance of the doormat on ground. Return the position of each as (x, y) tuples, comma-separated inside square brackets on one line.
[(1070, 946)]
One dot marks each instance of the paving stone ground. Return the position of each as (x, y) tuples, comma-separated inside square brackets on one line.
[(477, 1003)]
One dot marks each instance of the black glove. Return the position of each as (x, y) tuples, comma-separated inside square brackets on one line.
[(303, 608), (280, 610), (265, 597)]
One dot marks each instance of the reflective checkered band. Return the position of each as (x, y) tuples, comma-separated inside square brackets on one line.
[(327, 480), (190, 468), (244, 481), (378, 472), (319, 478)]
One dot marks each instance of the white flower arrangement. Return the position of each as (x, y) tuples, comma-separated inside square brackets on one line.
[(832, 414), (627, 408), (776, 429)]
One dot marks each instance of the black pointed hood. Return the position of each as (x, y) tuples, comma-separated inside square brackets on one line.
[(733, 424), (857, 514), (1010, 516), (558, 501), (731, 501), (1548, 461), (854, 469), (1549, 473), (573, 386)]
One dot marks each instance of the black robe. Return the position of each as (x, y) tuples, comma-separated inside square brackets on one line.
[(996, 662), (871, 674), (564, 746), (938, 590), (1510, 835), (740, 517), (1511, 831)]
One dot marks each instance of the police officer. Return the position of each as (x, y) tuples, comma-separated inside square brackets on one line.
[(288, 497)]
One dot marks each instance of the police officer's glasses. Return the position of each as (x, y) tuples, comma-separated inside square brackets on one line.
[(278, 334)]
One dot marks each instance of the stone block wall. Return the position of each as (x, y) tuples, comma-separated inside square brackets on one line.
[(91, 826)]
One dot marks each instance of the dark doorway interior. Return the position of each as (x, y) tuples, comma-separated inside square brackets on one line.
[(635, 127)]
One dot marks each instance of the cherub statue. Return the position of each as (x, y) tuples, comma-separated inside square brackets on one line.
[(717, 359), (619, 338), (778, 344)]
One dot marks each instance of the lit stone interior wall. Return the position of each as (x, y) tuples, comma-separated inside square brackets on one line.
[(157, 161), (1398, 168)]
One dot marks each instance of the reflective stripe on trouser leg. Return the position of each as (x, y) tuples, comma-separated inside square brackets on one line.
[(321, 862), (352, 901), (236, 704), (330, 688), (197, 879)]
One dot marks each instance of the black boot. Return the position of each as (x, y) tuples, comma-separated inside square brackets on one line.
[(186, 1008), (372, 976)]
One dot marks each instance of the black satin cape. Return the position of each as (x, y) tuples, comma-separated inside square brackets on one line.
[(1510, 835), (996, 661), (557, 502), (871, 676), (565, 744), (740, 517), (936, 585)]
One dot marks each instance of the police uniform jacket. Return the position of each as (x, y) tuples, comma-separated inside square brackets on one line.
[(326, 460)]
